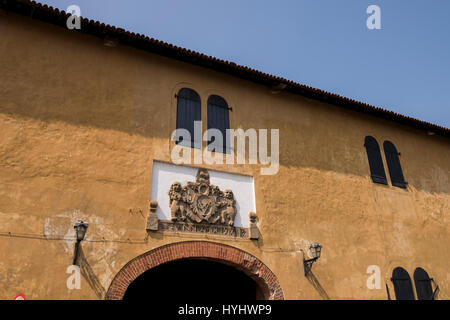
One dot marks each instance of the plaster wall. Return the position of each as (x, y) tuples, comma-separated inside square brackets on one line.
[(82, 124)]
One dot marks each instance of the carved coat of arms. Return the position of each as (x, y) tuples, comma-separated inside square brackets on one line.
[(202, 202)]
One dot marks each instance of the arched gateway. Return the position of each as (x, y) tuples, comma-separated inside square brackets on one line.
[(210, 252)]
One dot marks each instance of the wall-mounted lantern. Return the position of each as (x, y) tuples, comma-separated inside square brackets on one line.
[(80, 230), (316, 250)]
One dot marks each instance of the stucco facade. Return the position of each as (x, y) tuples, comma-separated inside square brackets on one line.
[(81, 124)]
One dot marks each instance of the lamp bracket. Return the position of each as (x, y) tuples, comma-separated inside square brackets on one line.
[(307, 264)]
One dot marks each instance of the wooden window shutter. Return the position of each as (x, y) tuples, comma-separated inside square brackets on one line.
[(402, 284), (188, 110), (218, 118), (377, 172), (393, 163), (423, 285)]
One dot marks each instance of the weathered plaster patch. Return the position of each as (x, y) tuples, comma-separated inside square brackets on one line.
[(303, 245), (98, 253)]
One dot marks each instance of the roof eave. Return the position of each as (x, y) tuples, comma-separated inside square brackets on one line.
[(58, 17)]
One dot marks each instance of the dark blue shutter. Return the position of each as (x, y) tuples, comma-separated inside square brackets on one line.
[(393, 163), (188, 110), (377, 172), (423, 284), (402, 284), (218, 118)]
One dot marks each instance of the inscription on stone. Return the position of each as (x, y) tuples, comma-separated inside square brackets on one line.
[(203, 228)]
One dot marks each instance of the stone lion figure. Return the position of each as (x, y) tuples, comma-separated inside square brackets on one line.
[(228, 214), (176, 203)]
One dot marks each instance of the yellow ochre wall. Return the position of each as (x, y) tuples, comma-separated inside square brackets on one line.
[(81, 124)]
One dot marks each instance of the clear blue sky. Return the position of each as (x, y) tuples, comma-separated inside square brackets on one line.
[(404, 67)]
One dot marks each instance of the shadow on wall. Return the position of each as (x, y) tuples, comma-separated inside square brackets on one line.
[(101, 96), (316, 284), (89, 275)]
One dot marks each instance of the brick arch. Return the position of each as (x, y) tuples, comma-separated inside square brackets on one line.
[(241, 260)]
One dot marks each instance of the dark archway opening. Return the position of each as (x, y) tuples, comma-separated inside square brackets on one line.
[(194, 280)]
